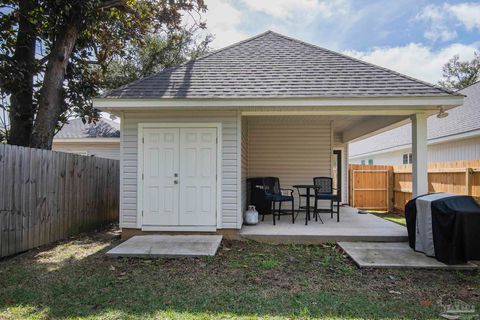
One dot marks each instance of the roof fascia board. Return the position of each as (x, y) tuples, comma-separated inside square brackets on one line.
[(457, 136), (339, 111), (415, 102)]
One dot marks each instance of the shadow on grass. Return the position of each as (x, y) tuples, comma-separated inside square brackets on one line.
[(75, 279)]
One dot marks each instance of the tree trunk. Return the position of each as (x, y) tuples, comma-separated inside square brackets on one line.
[(51, 103), (22, 110)]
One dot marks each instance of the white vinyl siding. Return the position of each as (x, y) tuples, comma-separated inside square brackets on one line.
[(109, 150), (465, 149), (244, 163), (295, 149), (229, 168)]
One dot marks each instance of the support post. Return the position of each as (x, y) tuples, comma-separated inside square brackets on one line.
[(419, 154)]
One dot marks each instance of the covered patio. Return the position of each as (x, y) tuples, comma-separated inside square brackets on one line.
[(352, 227), (297, 145)]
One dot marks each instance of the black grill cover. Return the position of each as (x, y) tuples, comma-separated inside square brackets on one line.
[(455, 226), (256, 195)]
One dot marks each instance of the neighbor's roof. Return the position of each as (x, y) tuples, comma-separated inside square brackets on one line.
[(462, 119), (76, 129), (271, 65)]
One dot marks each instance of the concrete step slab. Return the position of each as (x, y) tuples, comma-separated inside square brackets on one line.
[(171, 246), (394, 255)]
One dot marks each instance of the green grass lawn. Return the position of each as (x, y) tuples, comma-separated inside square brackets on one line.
[(394, 217), (246, 280)]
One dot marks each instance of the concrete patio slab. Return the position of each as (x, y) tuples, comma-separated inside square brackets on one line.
[(394, 255), (352, 227), (171, 246)]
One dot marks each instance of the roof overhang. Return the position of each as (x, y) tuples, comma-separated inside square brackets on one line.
[(362, 105)]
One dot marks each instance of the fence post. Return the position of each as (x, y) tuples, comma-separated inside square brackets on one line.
[(390, 192), (468, 181)]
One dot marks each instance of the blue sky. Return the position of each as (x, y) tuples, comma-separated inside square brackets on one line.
[(415, 37)]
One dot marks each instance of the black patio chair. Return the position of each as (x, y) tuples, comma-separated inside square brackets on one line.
[(273, 193), (324, 191)]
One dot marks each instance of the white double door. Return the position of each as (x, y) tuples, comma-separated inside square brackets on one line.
[(179, 176)]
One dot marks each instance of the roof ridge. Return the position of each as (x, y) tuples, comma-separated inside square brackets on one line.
[(366, 63)]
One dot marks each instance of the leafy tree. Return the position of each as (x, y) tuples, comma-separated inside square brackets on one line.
[(53, 54), (152, 54), (460, 74)]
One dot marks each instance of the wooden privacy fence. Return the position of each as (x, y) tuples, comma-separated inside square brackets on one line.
[(368, 183), (47, 196)]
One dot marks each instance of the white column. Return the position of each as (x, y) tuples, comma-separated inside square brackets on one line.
[(419, 154)]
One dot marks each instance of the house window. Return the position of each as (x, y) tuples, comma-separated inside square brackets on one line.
[(407, 158), (362, 162), (370, 161)]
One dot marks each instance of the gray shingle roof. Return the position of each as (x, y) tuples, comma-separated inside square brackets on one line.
[(76, 129), (271, 65), (464, 118)]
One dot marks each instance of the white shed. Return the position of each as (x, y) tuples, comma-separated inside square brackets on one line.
[(267, 106)]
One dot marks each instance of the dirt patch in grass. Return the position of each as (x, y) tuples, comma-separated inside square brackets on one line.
[(244, 280)]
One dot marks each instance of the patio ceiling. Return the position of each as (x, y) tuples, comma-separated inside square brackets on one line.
[(349, 127), (353, 128)]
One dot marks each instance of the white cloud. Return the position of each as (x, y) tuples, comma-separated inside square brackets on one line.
[(227, 20), (468, 14), (290, 8), (445, 18), (416, 60), (223, 21), (280, 8)]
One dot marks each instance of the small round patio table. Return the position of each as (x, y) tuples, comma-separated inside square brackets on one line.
[(307, 187)]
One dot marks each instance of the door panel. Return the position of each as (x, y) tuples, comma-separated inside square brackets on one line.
[(160, 163), (198, 167)]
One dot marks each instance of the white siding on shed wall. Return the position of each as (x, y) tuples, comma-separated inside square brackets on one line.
[(129, 142), (295, 149), (244, 163), (465, 149)]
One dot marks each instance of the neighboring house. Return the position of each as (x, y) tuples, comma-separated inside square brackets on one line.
[(453, 138), (100, 139), (267, 106)]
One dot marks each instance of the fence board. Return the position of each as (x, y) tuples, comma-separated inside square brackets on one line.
[(46, 196)]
